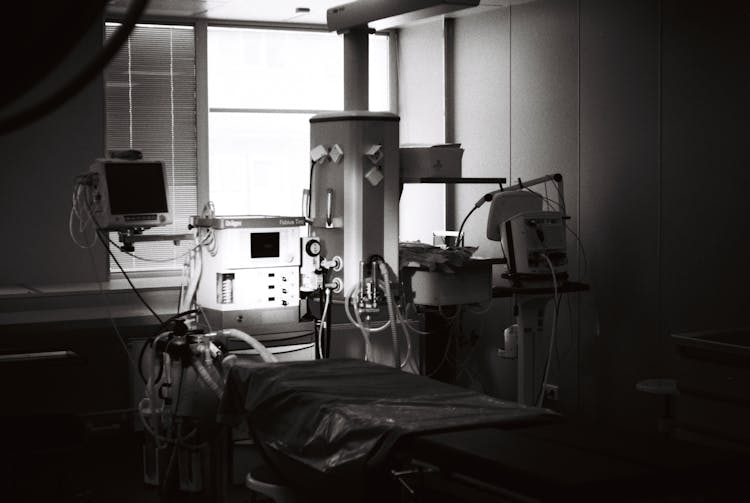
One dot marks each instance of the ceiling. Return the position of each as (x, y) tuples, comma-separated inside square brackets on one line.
[(267, 11), (263, 11)]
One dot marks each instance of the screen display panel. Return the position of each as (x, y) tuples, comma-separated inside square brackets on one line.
[(136, 188), (264, 244)]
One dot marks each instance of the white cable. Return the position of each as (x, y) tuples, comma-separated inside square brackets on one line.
[(391, 315), (251, 341), (407, 335), (76, 212), (446, 317), (196, 271), (408, 322), (358, 322), (323, 323), (540, 400), (482, 310)]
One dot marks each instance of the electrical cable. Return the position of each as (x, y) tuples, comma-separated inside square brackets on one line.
[(161, 260), (482, 310), (407, 335), (146, 343), (540, 399), (182, 315), (99, 234), (108, 310), (358, 322), (460, 237), (89, 71), (447, 344), (195, 271), (408, 323), (323, 321), (391, 313), (179, 391), (125, 274), (545, 199), (79, 188), (445, 356), (445, 316)]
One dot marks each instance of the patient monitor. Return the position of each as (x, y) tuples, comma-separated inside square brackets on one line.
[(128, 194)]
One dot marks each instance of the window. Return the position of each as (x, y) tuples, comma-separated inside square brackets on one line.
[(263, 87), (151, 107)]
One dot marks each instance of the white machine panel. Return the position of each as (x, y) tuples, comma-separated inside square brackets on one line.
[(256, 288), (253, 264)]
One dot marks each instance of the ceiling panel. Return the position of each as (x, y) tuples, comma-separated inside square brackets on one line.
[(270, 11), (266, 11)]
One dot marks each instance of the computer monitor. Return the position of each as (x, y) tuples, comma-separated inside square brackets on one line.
[(129, 194)]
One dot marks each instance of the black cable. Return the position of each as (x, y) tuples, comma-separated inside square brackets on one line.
[(149, 341), (140, 359), (182, 315), (179, 390), (78, 82), (544, 198), (132, 286), (460, 238)]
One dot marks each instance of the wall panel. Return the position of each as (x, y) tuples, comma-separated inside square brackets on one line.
[(544, 123), (619, 200), (38, 164), (422, 111)]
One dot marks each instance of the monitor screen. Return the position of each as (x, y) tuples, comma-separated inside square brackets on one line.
[(264, 244), (136, 188)]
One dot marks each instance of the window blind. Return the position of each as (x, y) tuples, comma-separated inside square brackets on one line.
[(151, 107)]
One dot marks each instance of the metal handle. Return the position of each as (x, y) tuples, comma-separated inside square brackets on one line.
[(329, 208), (306, 203)]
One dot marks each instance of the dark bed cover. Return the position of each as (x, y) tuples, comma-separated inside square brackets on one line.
[(340, 416)]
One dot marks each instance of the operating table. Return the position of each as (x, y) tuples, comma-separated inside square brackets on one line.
[(347, 430)]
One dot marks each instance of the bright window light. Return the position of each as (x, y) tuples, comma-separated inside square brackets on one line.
[(263, 87)]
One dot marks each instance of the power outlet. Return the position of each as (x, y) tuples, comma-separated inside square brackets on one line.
[(551, 392)]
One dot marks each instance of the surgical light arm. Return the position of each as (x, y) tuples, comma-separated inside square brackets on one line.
[(557, 178)]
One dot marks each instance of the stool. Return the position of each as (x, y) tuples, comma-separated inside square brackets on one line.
[(666, 388), (265, 481)]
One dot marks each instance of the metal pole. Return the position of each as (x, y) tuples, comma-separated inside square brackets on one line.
[(356, 69)]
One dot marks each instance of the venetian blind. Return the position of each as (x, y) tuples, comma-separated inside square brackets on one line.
[(150, 106)]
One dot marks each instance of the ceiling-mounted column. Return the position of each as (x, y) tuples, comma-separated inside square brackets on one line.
[(356, 69)]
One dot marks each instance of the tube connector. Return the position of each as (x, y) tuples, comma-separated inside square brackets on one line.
[(336, 263), (336, 286)]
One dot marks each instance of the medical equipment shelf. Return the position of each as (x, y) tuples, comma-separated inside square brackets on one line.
[(452, 180)]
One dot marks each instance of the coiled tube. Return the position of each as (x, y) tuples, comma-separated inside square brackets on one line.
[(202, 372), (251, 341), (391, 315)]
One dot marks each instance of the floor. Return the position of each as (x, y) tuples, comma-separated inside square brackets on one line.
[(107, 467)]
